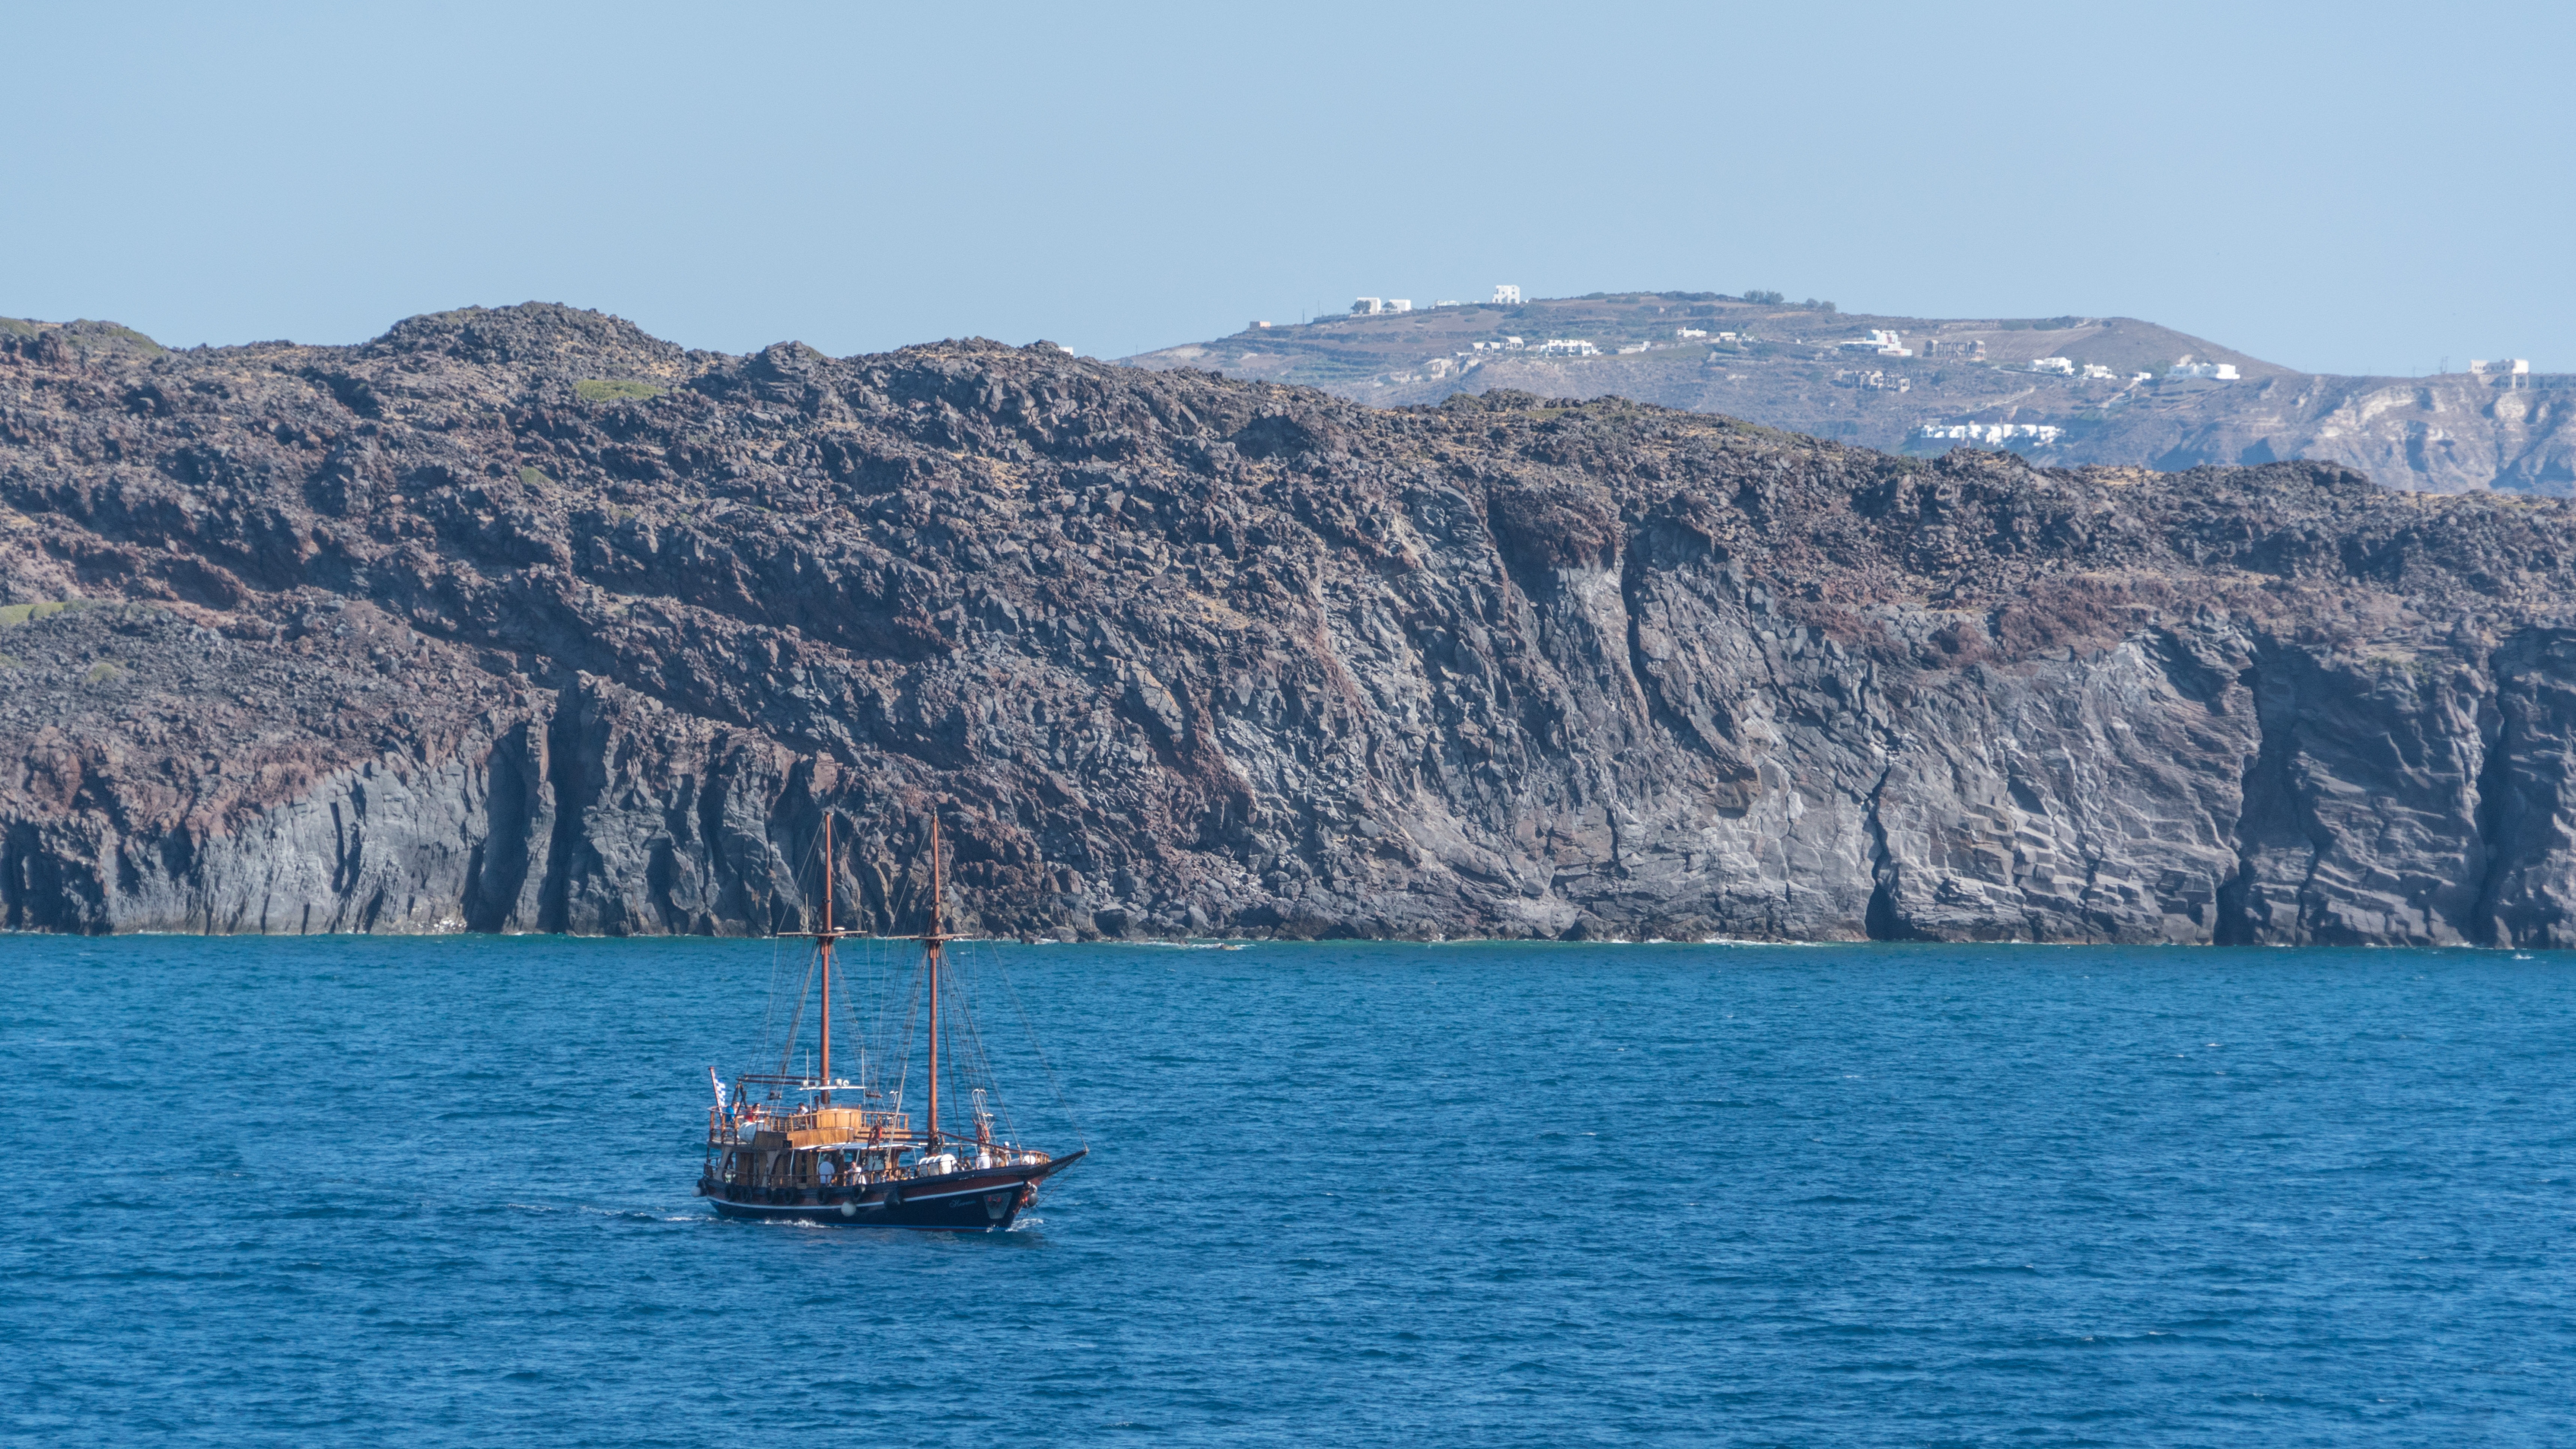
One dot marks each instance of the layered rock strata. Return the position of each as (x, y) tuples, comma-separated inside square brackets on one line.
[(521, 620)]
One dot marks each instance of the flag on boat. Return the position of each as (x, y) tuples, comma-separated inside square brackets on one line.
[(714, 1082)]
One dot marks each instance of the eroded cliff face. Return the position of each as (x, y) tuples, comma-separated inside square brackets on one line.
[(2447, 434), (522, 620)]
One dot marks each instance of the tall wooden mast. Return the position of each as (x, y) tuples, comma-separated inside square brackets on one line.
[(931, 941), (825, 940)]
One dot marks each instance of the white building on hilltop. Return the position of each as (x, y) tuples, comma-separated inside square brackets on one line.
[(1507, 294), (2062, 366), (1874, 380), (2508, 366), (1368, 306), (1566, 347), (2041, 433), (2214, 371), (1879, 341)]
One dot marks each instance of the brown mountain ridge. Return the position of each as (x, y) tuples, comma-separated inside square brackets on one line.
[(1787, 368)]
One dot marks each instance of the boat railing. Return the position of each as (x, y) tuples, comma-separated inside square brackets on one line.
[(859, 1122), (889, 1132), (878, 1160)]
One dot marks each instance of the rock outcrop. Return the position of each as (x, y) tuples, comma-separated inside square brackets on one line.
[(523, 620)]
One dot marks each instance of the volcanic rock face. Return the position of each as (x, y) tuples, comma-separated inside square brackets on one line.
[(523, 620)]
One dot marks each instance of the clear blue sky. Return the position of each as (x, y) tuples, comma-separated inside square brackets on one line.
[(2348, 187)]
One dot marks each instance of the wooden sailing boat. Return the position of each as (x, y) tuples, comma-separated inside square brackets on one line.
[(789, 1147)]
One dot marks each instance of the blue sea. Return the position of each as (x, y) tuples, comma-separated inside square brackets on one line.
[(395, 1192)]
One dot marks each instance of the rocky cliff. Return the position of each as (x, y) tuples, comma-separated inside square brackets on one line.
[(523, 620)]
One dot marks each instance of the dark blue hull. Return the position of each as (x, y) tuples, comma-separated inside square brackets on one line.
[(985, 1200)]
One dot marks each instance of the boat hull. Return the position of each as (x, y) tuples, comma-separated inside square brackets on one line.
[(983, 1200)]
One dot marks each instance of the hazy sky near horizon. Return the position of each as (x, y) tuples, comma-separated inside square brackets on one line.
[(2346, 188)]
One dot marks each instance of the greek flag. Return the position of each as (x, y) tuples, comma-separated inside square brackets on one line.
[(719, 1086)]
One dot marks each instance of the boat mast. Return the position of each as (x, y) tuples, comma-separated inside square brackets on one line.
[(932, 942), (825, 940)]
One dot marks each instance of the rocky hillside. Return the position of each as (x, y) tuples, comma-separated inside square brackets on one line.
[(2449, 434), (524, 620)]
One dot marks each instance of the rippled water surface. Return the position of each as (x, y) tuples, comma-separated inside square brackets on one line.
[(386, 1191)]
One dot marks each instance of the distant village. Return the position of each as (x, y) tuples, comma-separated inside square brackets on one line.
[(2056, 389), (1877, 342), (1731, 348), (2042, 434)]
